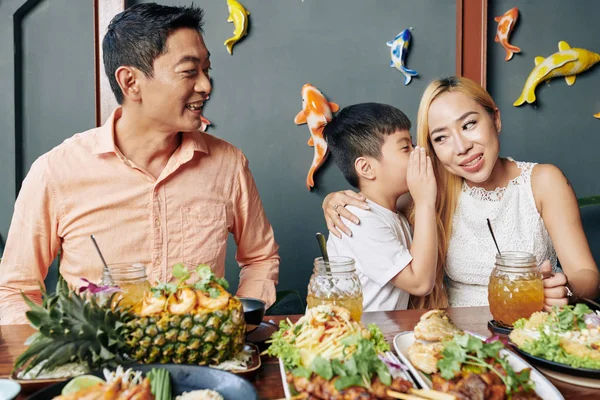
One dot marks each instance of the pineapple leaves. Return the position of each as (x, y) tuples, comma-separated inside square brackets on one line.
[(32, 338), (73, 328), (43, 356), (62, 355), (30, 303), (32, 351)]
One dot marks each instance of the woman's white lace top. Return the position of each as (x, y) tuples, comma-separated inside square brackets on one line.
[(517, 226)]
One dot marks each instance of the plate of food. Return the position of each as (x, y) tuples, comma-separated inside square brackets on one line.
[(447, 359), (564, 342), (326, 354), (189, 320), (245, 363), (153, 382)]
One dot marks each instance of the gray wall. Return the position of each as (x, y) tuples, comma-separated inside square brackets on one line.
[(46, 85), (338, 46), (560, 128)]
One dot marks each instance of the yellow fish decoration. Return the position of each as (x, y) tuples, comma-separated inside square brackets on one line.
[(239, 16), (566, 62), (597, 115)]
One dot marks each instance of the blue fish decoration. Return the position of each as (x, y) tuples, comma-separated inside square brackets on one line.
[(399, 48)]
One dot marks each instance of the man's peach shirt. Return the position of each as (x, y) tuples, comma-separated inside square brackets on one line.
[(86, 186)]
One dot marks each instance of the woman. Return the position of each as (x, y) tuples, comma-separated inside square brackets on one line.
[(530, 206)]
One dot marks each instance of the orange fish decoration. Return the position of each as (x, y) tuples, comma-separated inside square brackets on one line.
[(316, 113), (204, 124), (506, 24)]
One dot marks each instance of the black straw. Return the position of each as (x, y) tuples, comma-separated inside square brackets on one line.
[(493, 237), (323, 247), (99, 252)]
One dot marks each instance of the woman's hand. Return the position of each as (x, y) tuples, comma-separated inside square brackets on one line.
[(334, 206), (556, 292)]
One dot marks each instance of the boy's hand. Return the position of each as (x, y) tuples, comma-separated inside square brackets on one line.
[(420, 178)]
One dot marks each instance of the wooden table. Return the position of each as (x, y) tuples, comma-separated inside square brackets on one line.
[(268, 380)]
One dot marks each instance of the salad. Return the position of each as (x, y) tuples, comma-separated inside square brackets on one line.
[(570, 336), (327, 355)]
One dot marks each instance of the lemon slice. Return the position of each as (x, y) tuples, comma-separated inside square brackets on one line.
[(81, 382)]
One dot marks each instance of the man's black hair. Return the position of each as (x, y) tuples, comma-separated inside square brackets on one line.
[(137, 36)]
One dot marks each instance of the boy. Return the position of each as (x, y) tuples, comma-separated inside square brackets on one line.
[(371, 145)]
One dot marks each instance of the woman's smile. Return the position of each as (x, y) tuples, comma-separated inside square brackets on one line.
[(473, 163)]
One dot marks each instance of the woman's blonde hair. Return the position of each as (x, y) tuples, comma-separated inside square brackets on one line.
[(449, 185)]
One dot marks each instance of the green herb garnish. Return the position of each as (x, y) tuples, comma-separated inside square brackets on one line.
[(359, 364), (180, 272), (467, 350)]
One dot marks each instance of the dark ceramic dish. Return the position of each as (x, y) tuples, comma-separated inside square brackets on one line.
[(184, 378), (557, 367), (254, 311)]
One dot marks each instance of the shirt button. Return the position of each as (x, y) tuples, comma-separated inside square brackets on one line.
[(157, 222)]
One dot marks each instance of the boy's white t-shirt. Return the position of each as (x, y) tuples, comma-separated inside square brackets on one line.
[(379, 246)]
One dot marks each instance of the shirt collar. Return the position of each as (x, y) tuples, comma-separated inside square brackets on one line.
[(105, 135), (105, 138)]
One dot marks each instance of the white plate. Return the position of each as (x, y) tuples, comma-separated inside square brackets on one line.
[(9, 389), (286, 387), (574, 380), (543, 387)]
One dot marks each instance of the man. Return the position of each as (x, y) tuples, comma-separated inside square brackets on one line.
[(147, 184)]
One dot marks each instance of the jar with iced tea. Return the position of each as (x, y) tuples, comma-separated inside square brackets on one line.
[(335, 282), (130, 278), (516, 289)]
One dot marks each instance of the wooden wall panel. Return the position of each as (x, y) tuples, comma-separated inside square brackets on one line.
[(471, 43), (104, 11)]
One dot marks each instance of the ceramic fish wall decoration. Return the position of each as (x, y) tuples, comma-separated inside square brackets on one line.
[(506, 23), (239, 16), (566, 62), (204, 124), (316, 113), (398, 51), (597, 115)]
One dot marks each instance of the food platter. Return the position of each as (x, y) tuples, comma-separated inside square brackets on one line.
[(558, 367), (562, 372), (286, 387), (33, 385), (563, 343), (183, 378), (544, 387)]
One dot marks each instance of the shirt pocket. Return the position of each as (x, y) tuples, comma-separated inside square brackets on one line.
[(203, 234)]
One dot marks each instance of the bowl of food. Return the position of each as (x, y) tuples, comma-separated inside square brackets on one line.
[(171, 380), (254, 311)]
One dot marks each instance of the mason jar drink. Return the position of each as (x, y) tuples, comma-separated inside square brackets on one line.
[(130, 278), (339, 286), (515, 289)]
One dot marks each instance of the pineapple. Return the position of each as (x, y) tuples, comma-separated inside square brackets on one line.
[(72, 328), (199, 323)]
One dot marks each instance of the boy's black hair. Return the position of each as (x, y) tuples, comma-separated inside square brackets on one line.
[(137, 36), (359, 131)]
